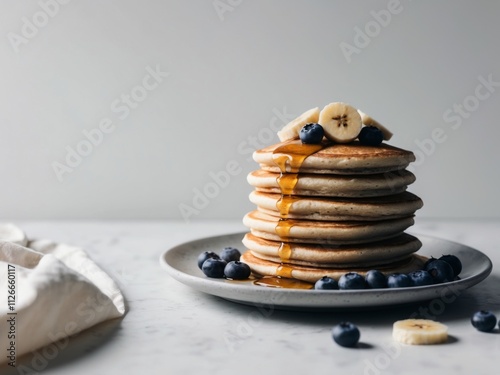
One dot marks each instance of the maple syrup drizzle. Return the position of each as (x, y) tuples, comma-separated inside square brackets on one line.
[(283, 205), (294, 153), (288, 156), (285, 251), (284, 271), (282, 282), (287, 182), (283, 227)]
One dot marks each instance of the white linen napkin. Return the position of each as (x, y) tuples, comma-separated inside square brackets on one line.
[(48, 292)]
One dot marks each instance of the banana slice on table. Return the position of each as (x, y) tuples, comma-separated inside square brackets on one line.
[(419, 332), (370, 121), (292, 129), (341, 122)]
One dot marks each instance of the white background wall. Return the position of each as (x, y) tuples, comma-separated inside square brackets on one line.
[(231, 72)]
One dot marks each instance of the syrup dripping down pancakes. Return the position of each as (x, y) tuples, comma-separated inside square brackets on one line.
[(328, 209)]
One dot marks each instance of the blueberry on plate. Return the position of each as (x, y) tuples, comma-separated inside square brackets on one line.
[(230, 253), (311, 133), (352, 280), (420, 278), (370, 136), (204, 256), (440, 271), (375, 279), (237, 270), (398, 280), (484, 321), (214, 267), (454, 262), (346, 334), (326, 283), (431, 259)]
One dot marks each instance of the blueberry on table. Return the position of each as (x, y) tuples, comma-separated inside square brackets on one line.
[(454, 262), (237, 270), (352, 280), (420, 278), (311, 133), (375, 279), (440, 271), (326, 283), (398, 280), (230, 253), (484, 321), (346, 334), (214, 267), (204, 256), (370, 136)]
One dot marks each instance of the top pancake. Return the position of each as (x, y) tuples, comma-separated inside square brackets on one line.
[(350, 158)]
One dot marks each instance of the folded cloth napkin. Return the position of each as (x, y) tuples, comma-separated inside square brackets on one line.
[(48, 292)]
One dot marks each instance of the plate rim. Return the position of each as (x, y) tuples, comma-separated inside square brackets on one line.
[(251, 292)]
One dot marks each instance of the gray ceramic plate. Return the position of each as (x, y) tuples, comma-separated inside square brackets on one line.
[(180, 263)]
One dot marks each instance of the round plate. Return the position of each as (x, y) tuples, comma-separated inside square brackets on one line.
[(181, 263)]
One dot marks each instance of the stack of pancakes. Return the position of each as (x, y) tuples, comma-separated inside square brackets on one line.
[(329, 209)]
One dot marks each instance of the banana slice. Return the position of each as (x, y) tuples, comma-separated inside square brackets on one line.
[(341, 122), (369, 121), (292, 129), (419, 332)]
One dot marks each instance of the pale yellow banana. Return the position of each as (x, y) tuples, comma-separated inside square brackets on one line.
[(419, 332), (292, 129)]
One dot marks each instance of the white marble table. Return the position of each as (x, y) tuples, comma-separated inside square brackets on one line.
[(171, 329)]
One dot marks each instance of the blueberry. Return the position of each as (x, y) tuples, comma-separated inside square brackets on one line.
[(326, 283), (376, 279), (440, 271), (431, 259), (398, 280), (237, 270), (454, 262), (484, 321), (370, 136), (214, 267), (346, 334), (204, 256), (230, 253), (420, 278), (352, 280), (311, 133)]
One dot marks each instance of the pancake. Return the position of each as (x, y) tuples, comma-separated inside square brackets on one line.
[(312, 274), (330, 232), (348, 186), (378, 263), (335, 256), (339, 209), (351, 158)]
